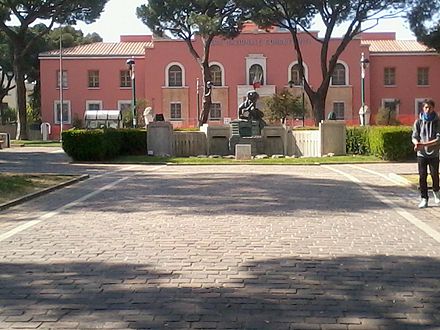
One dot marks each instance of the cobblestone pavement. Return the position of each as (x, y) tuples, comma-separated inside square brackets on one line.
[(223, 247)]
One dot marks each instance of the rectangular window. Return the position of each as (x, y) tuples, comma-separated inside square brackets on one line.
[(64, 79), (390, 76), (93, 78), (66, 112), (176, 111), (125, 79), (93, 105), (422, 76), (418, 107), (215, 112), (391, 105), (339, 110)]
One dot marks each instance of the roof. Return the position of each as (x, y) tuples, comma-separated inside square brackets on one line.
[(396, 46), (103, 49)]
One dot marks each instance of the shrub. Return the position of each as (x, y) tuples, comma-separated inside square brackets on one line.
[(91, 145), (357, 141), (391, 143), (133, 141)]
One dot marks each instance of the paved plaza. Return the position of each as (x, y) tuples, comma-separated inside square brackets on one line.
[(219, 247)]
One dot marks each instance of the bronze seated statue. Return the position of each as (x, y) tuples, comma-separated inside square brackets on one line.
[(248, 109)]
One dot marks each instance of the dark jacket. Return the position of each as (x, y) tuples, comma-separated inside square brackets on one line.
[(424, 131)]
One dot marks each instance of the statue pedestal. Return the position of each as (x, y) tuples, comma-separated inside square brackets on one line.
[(160, 139)]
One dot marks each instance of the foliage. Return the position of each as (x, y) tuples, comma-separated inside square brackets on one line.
[(77, 122), (424, 20), (103, 144), (33, 116), (8, 116), (281, 105), (185, 20), (391, 143), (24, 38), (297, 16), (387, 116), (357, 140)]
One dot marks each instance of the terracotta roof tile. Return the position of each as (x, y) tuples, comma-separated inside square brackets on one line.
[(396, 46), (103, 49)]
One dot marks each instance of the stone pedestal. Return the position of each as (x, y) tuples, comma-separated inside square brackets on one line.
[(256, 143), (243, 152), (160, 139), (217, 139)]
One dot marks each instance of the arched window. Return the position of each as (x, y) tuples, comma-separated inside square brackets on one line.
[(175, 76), (295, 76), (338, 77), (216, 75), (256, 74)]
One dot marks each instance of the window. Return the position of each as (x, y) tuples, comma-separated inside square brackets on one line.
[(256, 75), (418, 106), (389, 76), (125, 78), (422, 76), (338, 77), (175, 76), (93, 78), (216, 75), (295, 76), (66, 112), (93, 105), (215, 112), (391, 104), (339, 110), (176, 111), (64, 79)]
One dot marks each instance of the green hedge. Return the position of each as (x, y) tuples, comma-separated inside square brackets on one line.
[(391, 142), (386, 142), (104, 144)]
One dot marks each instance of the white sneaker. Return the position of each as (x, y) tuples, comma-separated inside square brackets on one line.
[(436, 197), (423, 203)]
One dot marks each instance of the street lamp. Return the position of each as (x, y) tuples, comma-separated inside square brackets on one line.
[(61, 84), (131, 68), (364, 64)]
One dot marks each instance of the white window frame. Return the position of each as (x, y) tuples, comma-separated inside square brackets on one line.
[(427, 76), (89, 102), (222, 71), (167, 81), (383, 101), (176, 119), (220, 109), (347, 75), (333, 109), (98, 79), (56, 105), (289, 72), (64, 77), (259, 59)]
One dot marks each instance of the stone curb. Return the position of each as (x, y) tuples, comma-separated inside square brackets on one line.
[(42, 192)]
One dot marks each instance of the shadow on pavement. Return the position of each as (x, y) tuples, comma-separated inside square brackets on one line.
[(393, 292)]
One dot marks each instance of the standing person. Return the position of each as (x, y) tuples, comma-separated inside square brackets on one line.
[(426, 139)]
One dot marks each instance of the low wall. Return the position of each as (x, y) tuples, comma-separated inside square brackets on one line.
[(33, 134), (189, 144)]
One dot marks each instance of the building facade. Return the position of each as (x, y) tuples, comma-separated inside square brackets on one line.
[(400, 75)]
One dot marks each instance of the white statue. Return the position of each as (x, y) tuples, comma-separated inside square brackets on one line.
[(148, 115)]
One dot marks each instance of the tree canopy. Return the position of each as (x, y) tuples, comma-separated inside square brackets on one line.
[(187, 19), (16, 20), (297, 16), (424, 20)]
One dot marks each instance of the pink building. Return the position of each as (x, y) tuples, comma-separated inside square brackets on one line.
[(400, 75)]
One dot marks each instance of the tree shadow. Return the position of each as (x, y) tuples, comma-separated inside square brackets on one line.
[(392, 292)]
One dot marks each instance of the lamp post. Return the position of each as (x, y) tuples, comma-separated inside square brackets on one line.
[(364, 64), (131, 68), (61, 84)]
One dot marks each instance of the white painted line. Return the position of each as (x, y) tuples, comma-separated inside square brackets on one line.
[(51, 214), (393, 178), (403, 213)]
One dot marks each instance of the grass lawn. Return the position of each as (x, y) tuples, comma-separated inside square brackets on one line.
[(36, 143), (16, 185)]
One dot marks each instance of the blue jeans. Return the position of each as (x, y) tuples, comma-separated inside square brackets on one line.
[(433, 164)]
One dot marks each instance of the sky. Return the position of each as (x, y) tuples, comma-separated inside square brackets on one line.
[(119, 18)]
